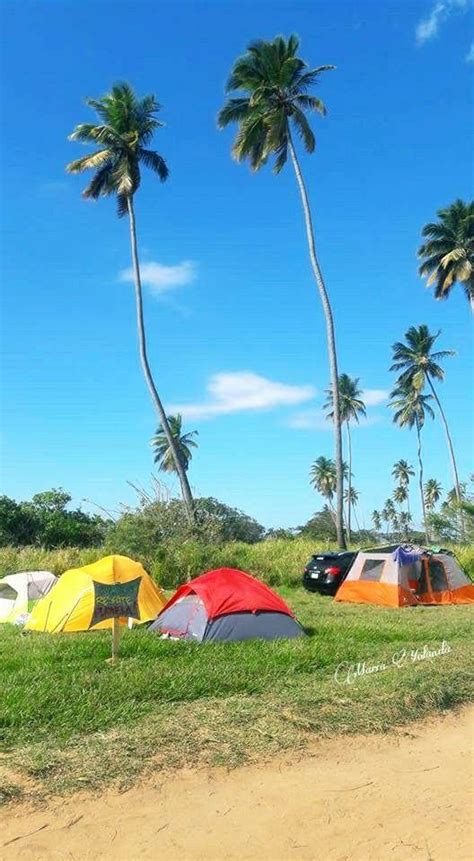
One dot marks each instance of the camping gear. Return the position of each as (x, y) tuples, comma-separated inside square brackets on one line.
[(406, 576), (17, 591), (226, 604), (95, 595)]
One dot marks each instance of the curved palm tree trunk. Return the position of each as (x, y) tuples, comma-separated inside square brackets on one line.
[(331, 340), (420, 476), (349, 481), (185, 488), (356, 518), (457, 485), (448, 438)]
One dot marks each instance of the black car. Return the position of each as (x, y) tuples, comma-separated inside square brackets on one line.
[(326, 571)]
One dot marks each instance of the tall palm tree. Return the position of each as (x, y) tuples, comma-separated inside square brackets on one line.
[(184, 442), (452, 496), (400, 494), (404, 521), (121, 137), (419, 365), (448, 253), (351, 407), (377, 520), (351, 496), (432, 493), (269, 87), (323, 478), (402, 472), (389, 514), (411, 408)]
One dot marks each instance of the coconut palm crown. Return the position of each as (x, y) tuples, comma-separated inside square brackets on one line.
[(184, 443), (432, 493), (402, 472), (351, 404), (276, 83), (416, 359), (126, 128), (419, 366), (323, 476), (410, 406), (448, 253)]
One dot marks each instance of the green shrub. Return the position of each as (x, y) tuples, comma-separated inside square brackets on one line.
[(46, 521)]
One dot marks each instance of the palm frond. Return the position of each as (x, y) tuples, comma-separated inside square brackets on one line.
[(122, 205), (281, 158), (304, 129), (310, 103), (106, 135), (126, 176), (102, 183), (250, 141), (89, 162), (155, 162), (233, 111), (309, 79)]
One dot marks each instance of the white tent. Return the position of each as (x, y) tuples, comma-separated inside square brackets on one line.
[(16, 590)]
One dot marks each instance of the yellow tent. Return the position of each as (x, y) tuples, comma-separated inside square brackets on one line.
[(90, 597)]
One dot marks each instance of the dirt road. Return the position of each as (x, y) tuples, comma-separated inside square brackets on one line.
[(399, 797)]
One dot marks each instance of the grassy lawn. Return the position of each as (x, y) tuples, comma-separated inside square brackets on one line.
[(69, 720)]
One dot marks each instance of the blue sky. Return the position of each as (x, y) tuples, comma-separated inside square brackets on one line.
[(236, 333)]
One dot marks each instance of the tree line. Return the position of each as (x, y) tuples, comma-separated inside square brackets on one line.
[(269, 98), (48, 520)]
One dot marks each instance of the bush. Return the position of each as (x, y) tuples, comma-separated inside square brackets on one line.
[(276, 562), (47, 522), (147, 532)]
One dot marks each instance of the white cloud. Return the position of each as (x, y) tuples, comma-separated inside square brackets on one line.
[(428, 28), (238, 391), (374, 397), (470, 54), (161, 279)]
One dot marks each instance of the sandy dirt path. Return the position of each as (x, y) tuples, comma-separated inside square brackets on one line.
[(398, 797)]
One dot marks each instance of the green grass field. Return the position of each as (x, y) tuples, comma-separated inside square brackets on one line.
[(69, 720)]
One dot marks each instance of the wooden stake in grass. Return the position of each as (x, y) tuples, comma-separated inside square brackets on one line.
[(115, 640)]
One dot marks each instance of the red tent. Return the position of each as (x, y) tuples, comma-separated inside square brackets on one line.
[(226, 604)]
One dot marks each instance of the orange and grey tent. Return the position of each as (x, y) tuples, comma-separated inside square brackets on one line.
[(90, 597), (401, 577)]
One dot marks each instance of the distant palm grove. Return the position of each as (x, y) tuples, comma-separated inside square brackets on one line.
[(271, 99)]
